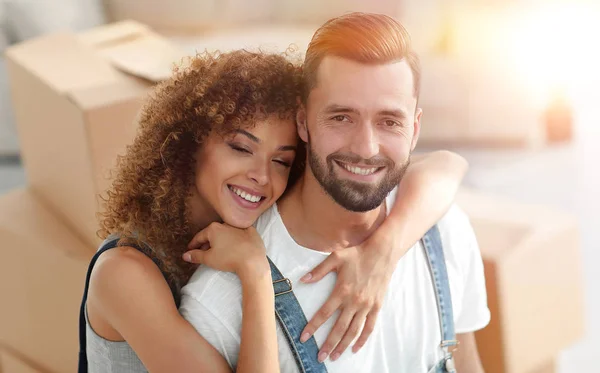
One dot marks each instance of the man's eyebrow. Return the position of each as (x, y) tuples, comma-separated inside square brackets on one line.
[(394, 113), (337, 109)]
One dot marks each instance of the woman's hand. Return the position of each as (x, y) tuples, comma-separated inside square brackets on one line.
[(229, 249), (363, 275)]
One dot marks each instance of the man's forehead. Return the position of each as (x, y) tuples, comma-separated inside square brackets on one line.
[(340, 67), (346, 82)]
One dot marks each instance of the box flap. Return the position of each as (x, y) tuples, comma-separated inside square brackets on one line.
[(62, 62), (147, 56), (69, 62)]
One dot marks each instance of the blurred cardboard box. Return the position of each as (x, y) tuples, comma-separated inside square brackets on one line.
[(475, 106), (191, 15), (76, 97), (10, 363), (550, 367), (42, 276), (534, 282)]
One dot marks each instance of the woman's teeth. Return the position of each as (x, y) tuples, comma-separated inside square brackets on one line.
[(247, 196)]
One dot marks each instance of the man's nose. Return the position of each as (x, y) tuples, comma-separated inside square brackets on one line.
[(365, 142)]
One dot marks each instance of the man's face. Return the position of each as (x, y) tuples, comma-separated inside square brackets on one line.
[(361, 125)]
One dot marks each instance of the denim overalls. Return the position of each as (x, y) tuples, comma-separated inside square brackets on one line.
[(292, 320)]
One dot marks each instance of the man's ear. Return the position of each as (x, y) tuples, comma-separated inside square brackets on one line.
[(301, 123), (416, 128)]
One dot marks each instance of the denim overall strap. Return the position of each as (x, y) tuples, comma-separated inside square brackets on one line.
[(108, 244), (432, 243), (292, 321)]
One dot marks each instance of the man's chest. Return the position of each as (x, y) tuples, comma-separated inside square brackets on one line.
[(406, 336)]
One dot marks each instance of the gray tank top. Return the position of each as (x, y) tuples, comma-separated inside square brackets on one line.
[(104, 356), (97, 354)]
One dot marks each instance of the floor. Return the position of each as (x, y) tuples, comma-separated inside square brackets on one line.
[(563, 176)]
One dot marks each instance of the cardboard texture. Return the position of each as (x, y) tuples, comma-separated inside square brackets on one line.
[(10, 363), (550, 367), (533, 274), (42, 276), (76, 98)]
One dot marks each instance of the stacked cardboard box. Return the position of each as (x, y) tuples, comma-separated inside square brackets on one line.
[(76, 98), (42, 274), (13, 362), (534, 282)]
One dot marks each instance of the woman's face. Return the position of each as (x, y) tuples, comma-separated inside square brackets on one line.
[(241, 174)]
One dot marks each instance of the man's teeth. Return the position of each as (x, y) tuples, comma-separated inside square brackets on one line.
[(360, 170), (244, 195)]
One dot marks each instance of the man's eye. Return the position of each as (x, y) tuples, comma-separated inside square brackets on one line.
[(339, 118)]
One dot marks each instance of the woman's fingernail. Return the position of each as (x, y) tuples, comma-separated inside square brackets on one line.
[(335, 356), (306, 277), (322, 356), (304, 337), (187, 257)]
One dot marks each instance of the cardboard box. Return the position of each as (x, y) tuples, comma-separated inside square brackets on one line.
[(192, 16), (76, 97), (11, 363), (534, 282), (42, 276), (461, 109), (549, 367)]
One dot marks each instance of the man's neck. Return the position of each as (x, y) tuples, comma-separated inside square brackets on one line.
[(316, 221)]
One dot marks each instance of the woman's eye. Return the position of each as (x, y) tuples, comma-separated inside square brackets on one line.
[(239, 149), (283, 163)]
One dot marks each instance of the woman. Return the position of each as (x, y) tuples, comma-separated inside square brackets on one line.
[(207, 137)]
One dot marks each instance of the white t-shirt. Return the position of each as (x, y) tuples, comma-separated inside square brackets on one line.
[(406, 337)]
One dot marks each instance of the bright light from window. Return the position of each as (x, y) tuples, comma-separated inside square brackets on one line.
[(556, 50)]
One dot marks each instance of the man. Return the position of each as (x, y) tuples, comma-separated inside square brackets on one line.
[(360, 120)]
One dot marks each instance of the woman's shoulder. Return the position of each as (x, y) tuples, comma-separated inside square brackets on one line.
[(124, 271), (123, 261)]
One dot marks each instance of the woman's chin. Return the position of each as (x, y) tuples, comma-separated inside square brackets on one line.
[(241, 222)]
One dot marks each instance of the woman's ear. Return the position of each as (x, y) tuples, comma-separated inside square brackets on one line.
[(301, 123)]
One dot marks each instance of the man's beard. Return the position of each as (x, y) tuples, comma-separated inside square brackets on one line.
[(353, 195)]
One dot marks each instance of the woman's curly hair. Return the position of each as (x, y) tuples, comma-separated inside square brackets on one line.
[(147, 204)]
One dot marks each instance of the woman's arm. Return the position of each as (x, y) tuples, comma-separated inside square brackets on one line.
[(258, 349), (425, 194), (242, 251), (129, 293)]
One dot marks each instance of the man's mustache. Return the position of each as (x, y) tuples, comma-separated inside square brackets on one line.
[(376, 161)]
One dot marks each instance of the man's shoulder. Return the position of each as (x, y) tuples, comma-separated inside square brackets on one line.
[(209, 286), (266, 219), (454, 222), (457, 235)]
